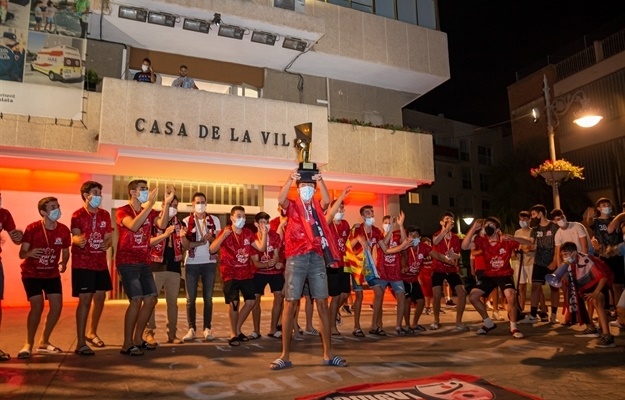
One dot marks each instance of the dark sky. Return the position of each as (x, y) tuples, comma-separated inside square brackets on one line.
[(490, 41)]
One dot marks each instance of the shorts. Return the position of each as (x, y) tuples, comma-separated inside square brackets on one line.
[(491, 282), (426, 285), (49, 20), (617, 267), (90, 281), (413, 291), (538, 274), (453, 279), (397, 286), (38, 20), (137, 280), (306, 267), (621, 301), (35, 286), (233, 287), (355, 286), (338, 281), (526, 273), (605, 292), (275, 282), (1, 282)]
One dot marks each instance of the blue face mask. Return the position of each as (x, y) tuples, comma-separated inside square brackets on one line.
[(415, 241), (306, 192), (143, 196), (239, 223), (55, 214), (95, 201)]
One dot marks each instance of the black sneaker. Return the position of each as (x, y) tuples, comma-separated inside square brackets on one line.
[(544, 317), (590, 332), (450, 304), (346, 309), (606, 341)]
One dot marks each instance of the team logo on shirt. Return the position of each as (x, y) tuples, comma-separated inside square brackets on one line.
[(242, 256), (138, 238), (48, 257), (502, 251), (58, 241), (95, 240), (549, 233), (246, 242), (102, 224)]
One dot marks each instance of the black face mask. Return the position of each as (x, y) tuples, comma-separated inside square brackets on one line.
[(490, 231), (534, 222)]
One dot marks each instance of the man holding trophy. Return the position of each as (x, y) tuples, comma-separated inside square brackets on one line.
[(308, 249)]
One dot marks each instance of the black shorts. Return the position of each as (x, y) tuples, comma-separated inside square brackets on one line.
[(453, 279), (489, 283), (617, 266), (1, 282), (233, 287), (413, 291), (275, 282), (539, 272), (90, 281), (47, 286), (338, 281)]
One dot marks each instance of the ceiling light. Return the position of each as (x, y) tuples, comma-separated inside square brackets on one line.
[(231, 31), (294, 44), (132, 13), (162, 19), (264, 38), (196, 25)]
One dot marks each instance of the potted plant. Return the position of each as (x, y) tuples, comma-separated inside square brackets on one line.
[(91, 80), (559, 170)]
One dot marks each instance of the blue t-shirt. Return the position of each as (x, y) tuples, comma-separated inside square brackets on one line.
[(143, 77)]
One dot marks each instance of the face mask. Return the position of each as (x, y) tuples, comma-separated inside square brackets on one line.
[(172, 212), (338, 216), (489, 230), (562, 223), (570, 260), (143, 196), (606, 210), (534, 222), (306, 192), (55, 214), (416, 241), (386, 227), (369, 221), (200, 208), (239, 223), (145, 68), (523, 224), (95, 201)]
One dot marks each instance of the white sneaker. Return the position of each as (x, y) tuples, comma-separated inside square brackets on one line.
[(553, 320), (497, 317), (617, 324), (528, 320), (208, 334), (189, 336)]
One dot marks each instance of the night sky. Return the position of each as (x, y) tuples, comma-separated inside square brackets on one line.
[(491, 41)]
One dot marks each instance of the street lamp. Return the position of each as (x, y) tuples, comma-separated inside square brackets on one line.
[(586, 118)]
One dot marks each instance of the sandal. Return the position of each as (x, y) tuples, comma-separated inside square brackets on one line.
[(84, 351), (132, 351), (96, 341), (279, 363), (147, 346), (242, 338), (276, 335), (24, 353), (335, 362), (312, 332), (377, 331), (4, 356), (400, 332), (358, 333), (49, 349), (254, 335), (234, 341)]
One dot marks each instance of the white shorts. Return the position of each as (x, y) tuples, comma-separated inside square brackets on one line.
[(526, 272)]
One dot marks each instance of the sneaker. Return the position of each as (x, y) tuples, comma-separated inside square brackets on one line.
[(590, 332), (461, 328), (442, 310), (450, 304), (149, 338), (544, 317), (339, 319), (189, 336), (208, 334), (174, 340), (428, 310), (517, 334), (419, 328), (553, 320), (346, 309), (434, 326), (606, 341), (497, 317), (529, 319), (617, 324)]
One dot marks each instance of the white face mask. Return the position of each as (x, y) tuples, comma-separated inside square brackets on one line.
[(606, 210), (239, 223), (200, 208), (144, 195), (306, 192), (338, 216), (369, 221), (172, 212), (562, 223), (523, 224), (386, 227), (145, 68), (415, 241)]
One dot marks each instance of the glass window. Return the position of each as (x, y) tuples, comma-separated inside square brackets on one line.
[(484, 182), (466, 178), (452, 201), (406, 11), (465, 150), (434, 199), (344, 3), (362, 7), (484, 155), (426, 13), (385, 8)]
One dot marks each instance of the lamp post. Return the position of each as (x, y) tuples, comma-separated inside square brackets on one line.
[(557, 108)]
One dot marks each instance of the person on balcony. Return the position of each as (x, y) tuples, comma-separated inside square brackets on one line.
[(146, 74), (184, 81)]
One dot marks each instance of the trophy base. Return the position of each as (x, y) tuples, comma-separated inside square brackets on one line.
[(306, 171)]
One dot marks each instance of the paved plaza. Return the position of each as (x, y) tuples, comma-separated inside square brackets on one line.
[(550, 362)]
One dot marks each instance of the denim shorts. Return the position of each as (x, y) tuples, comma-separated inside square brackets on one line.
[(137, 280), (355, 286), (397, 286), (306, 267)]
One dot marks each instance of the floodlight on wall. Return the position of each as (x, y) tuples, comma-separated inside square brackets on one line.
[(132, 13), (216, 19), (294, 44), (231, 31), (196, 25), (264, 38), (162, 19)]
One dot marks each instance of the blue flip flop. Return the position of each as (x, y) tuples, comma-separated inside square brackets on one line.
[(279, 363), (335, 362)]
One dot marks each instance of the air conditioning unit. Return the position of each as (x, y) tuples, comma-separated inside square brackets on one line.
[(293, 5)]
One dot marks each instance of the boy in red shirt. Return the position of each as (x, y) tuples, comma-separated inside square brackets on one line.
[(45, 246), (235, 244)]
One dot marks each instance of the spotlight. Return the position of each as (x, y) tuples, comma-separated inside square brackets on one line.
[(196, 25), (133, 13), (294, 44), (217, 19), (264, 38), (163, 19), (231, 31)]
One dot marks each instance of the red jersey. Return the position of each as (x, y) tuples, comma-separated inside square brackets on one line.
[(274, 243), (390, 267), (133, 247), (496, 255), (6, 223), (52, 241), (94, 227), (416, 257), (444, 247), (340, 234), (273, 227), (296, 239), (372, 238), (234, 255)]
